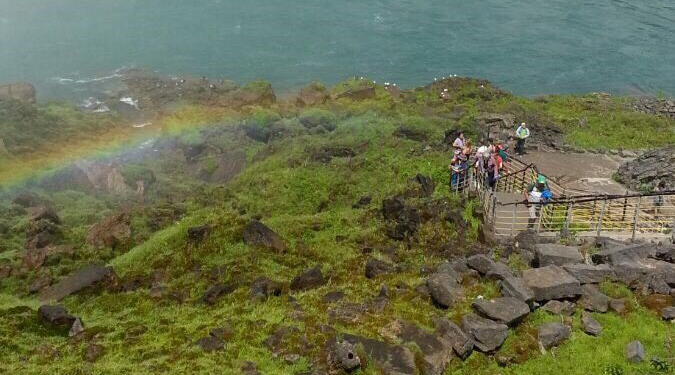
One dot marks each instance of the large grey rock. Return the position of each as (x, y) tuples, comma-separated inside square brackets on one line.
[(593, 300), (516, 288), (436, 352), (457, 269), (481, 263), (499, 271), (389, 359), (632, 271), (635, 352), (590, 274), (487, 335), (89, 276), (551, 282), (444, 289), (590, 325), (556, 255), (553, 334), (505, 310), (624, 253), (460, 341), (668, 313)]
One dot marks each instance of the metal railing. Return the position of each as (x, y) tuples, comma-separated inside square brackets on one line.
[(574, 212)]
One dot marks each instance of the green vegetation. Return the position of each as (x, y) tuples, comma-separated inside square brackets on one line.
[(309, 201)]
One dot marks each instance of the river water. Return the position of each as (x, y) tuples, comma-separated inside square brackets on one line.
[(530, 47)]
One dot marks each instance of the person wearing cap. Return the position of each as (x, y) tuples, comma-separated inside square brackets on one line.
[(522, 133), (538, 192)]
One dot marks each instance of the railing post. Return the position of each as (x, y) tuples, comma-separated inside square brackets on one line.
[(625, 204), (540, 213), (602, 215), (494, 208), (635, 218), (513, 219)]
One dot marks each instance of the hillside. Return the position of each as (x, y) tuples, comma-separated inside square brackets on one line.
[(245, 231)]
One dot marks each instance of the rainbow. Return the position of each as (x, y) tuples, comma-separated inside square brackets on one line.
[(15, 171)]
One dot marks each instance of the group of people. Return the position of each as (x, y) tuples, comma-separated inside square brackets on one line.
[(492, 161)]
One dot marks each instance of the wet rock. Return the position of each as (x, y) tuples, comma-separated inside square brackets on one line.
[(217, 291), (635, 352), (461, 343), (410, 133), (553, 334), (555, 307), (376, 267), (487, 335), (589, 274), (90, 276), (556, 255), (618, 254), (668, 313), (590, 325), (481, 263), (93, 352), (436, 353), (341, 356), (653, 169), (258, 234), (309, 279), (199, 233), (516, 288), (551, 282), (210, 344), (331, 297), (444, 289), (56, 316), (112, 232), (390, 359), (263, 287), (593, 300), (505, 310), (617, 305)]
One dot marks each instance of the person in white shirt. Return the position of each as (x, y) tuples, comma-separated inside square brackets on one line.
[(522, 133)]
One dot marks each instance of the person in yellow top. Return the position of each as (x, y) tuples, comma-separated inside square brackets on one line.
[(522, 133)]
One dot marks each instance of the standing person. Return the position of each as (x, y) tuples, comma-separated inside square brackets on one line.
[(459, 142), (493, 166), (537, 193), (522, 133), (504, 155)]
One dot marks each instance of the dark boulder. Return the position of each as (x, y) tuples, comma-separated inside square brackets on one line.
[(444, 289), (436, 353), (556, 307), (390, 359), (217, 291), (635, 352), (198, 233), (516, 288), (487, 335), (499, 271), (557, 255), (376, 267), (258, 234), (553, 334), (410, 133), (392, 208), (56, 316), (263, 287), (551, 282), (309, 279), (668, 313), (90, 276), (590, 325), (342, 356), (593, 300), (589, 274), (505, 310), (481, 263), (461, 343)]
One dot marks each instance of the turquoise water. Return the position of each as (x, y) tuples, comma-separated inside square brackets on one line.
[(529, 47)]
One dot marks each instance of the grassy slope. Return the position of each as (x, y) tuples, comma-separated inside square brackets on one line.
[(286, 189)]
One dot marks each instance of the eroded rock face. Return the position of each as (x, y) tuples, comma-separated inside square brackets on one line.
[(655, 169), (22, 91)]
